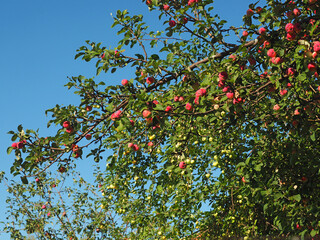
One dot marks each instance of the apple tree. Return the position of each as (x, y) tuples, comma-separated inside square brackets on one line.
[(211, 135)]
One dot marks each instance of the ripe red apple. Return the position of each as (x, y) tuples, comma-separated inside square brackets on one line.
[(188, 106), (230, 95), (243, 180), (182, 165), (296, 12), (15, 145), (124, 82), (146, 113), (271, 53), (116, 115), (245, 33), (150, 80), (88, 108), (172, 23), (69, 130), (44, 207), (166, 7), (290, 28), (250, 12), (262, 31), (283, 92), (48, 214), (223, 76), (276, 107), (168, 109), (135, 147), (291, 71), (312, 67), (259, 9), (66, 124), (201, 92), (130, 145), (88, 136), (37, 179), (150, 144)]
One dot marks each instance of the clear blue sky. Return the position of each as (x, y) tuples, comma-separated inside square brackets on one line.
[(39, 40)]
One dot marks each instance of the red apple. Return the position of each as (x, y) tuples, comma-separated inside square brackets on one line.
[(296, 12), (230, 95), (15, 145), (276, 107), (124, 82), (168, 109), (312, 67), (245, 33), (166, 7), (201, 92), (88, 136), (135, 147), (243, 180), (66, 124), (172, 23), (283, 92), (271, 53), (88, 108), (44, 207), (262, 31), (188, 106), (150, 80), (182, 165), (223, 76), (146, 113), (250, 12), (69, 130), (130, 145)]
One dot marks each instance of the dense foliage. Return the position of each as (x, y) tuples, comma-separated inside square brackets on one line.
[(209, 137)]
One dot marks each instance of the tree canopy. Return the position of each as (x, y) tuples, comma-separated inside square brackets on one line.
[(211, 138)]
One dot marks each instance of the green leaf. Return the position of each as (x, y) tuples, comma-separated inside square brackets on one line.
[(9, 150), (20, 128), (24, 180), (296, 197)]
